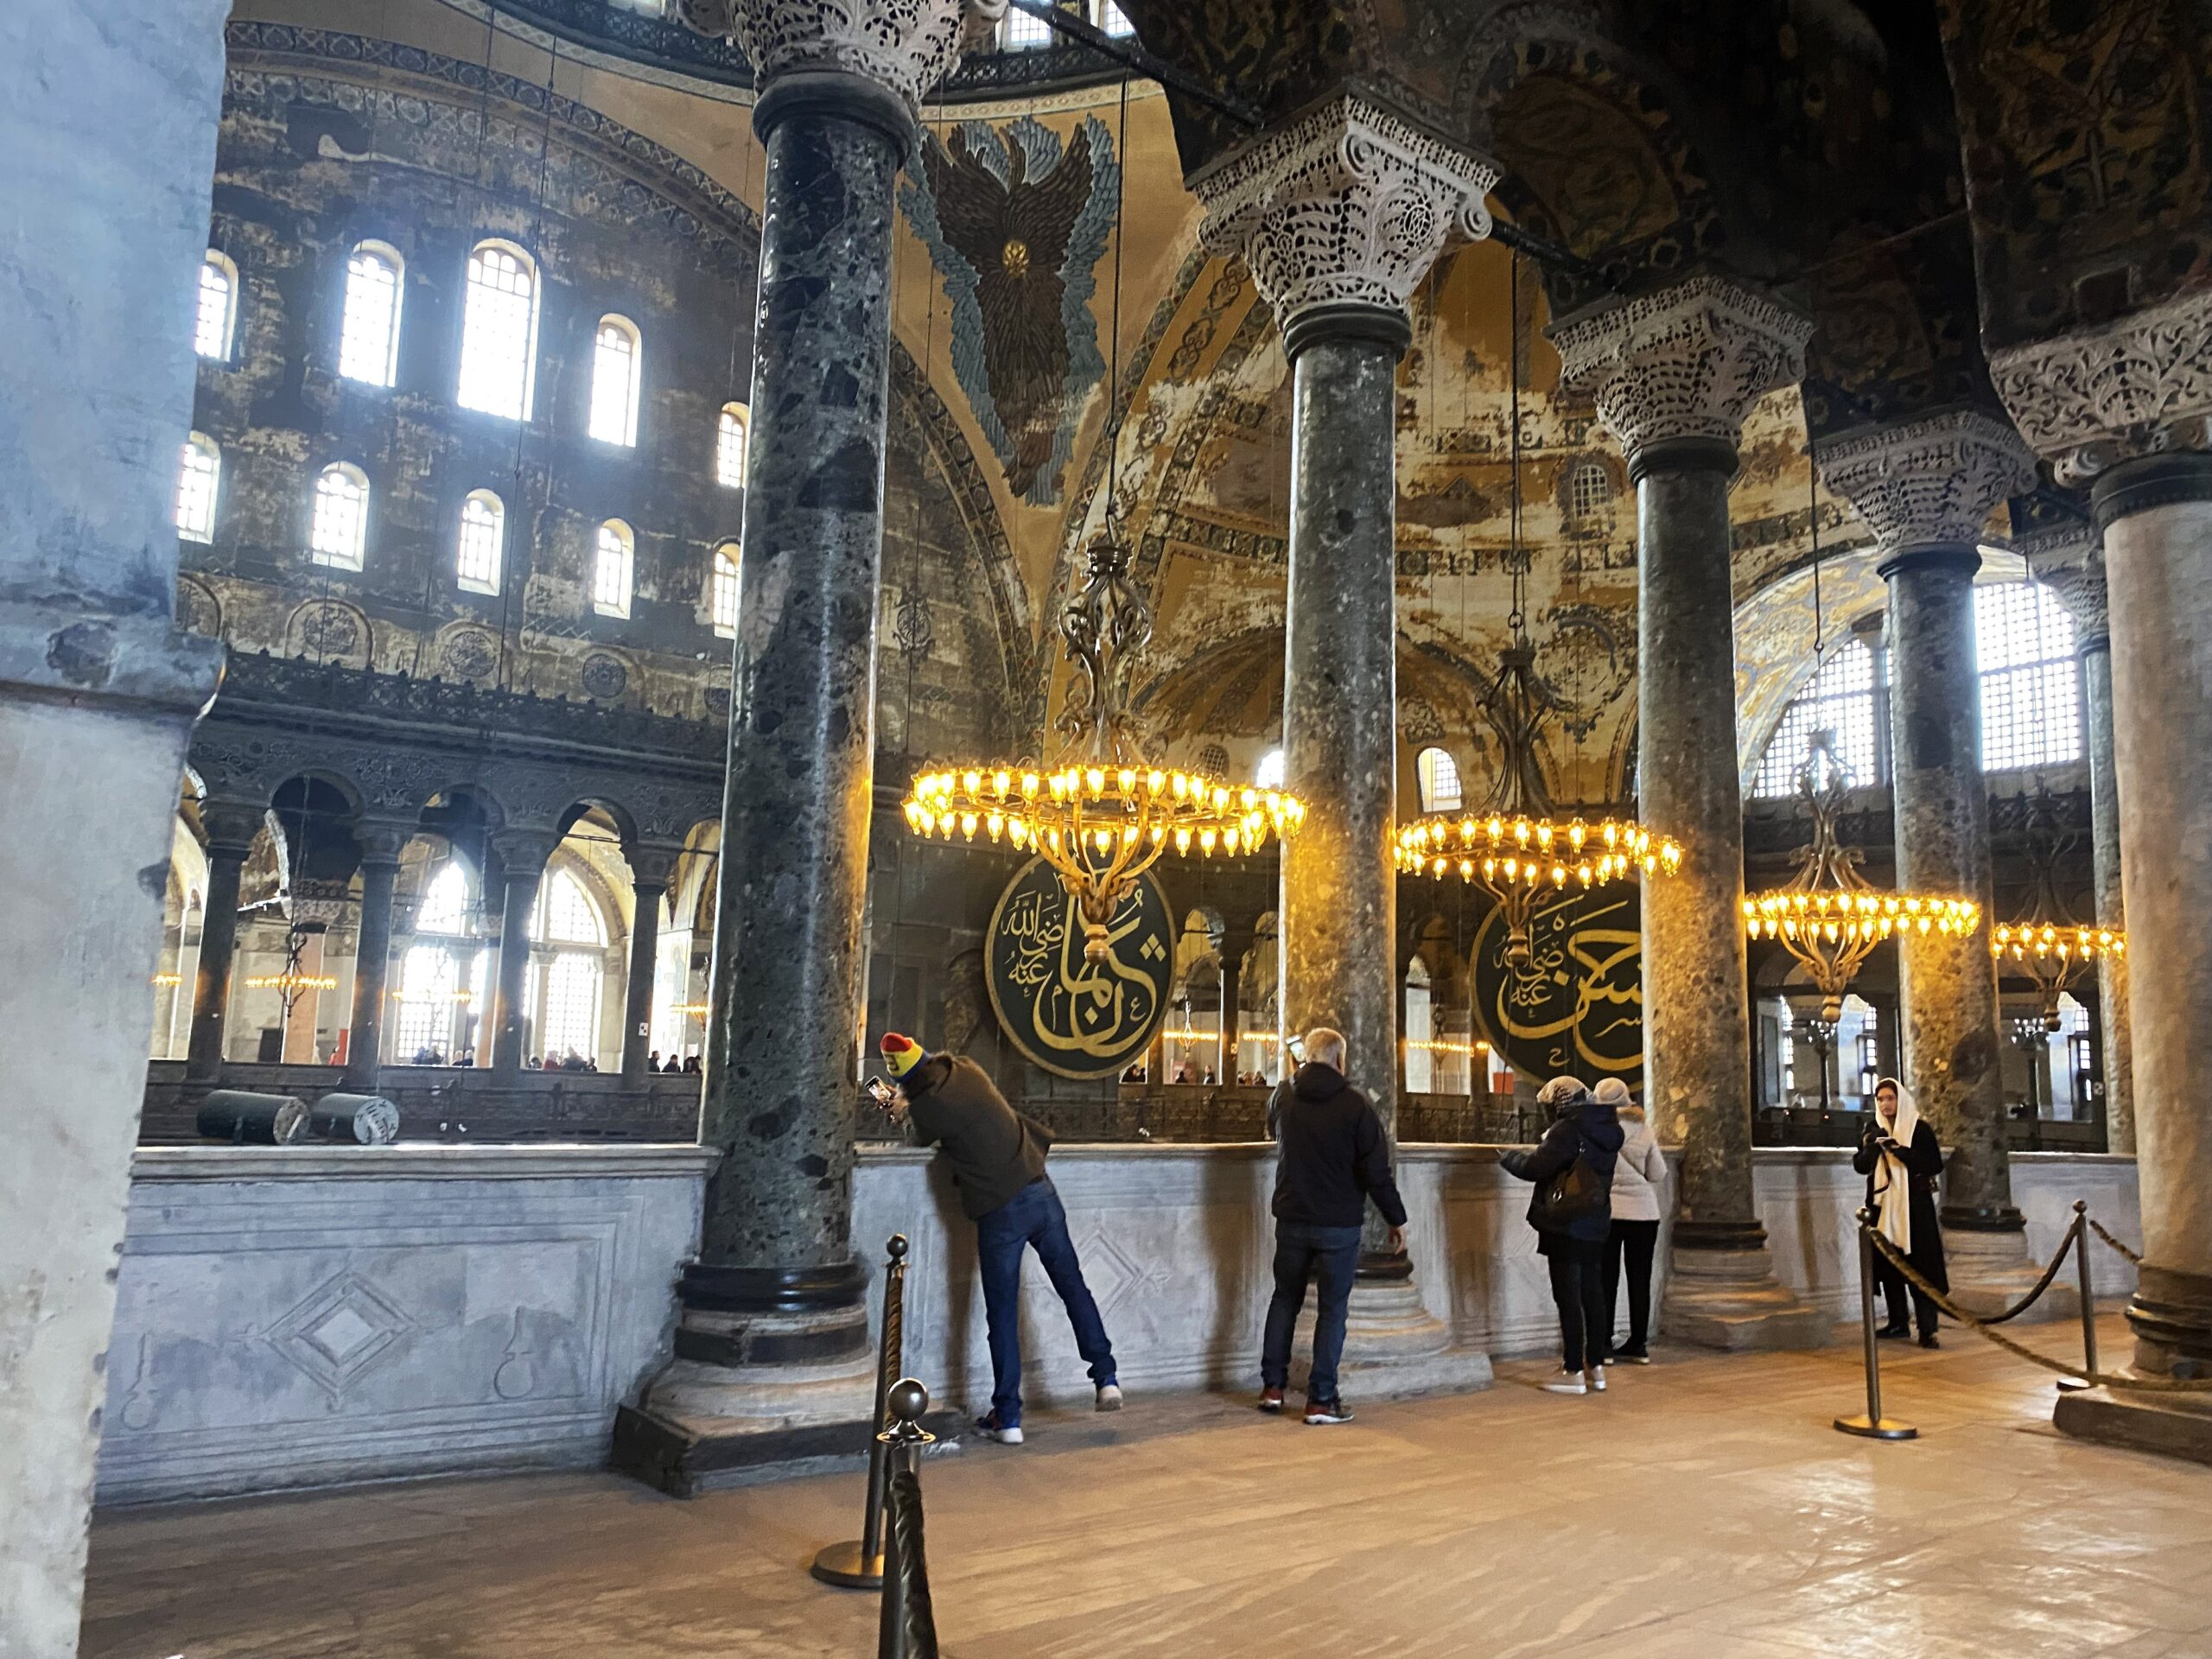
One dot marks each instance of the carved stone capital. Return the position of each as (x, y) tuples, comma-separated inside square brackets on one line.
[(652, 867), (523, 854), (904, 46), (2139, 385), (230, 827), (1931, 481), (382, 843), (1688, 363), (1347, 206), (2068, 559)]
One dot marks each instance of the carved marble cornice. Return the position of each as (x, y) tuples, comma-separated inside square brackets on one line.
[(1348, 205), (905, 46), (1928, 482), (1688, 362), (2139, 385)]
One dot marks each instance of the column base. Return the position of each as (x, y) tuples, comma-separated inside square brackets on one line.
[(2172, 1314), (2172, 1424), (1991, 1271), (1729, 1298), (1395, 1348)]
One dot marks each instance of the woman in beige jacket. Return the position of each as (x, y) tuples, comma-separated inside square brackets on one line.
[(1638, 1174)]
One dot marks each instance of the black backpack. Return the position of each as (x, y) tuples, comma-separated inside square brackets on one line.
[(1574, 1194)]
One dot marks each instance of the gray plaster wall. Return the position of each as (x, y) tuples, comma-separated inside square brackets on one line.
[(302, 1317)]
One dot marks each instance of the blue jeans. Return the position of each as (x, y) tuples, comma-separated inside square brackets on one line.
[(1299, 1250), (1034, 1217)]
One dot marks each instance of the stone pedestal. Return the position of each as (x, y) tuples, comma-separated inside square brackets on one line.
[(1674, 375), (1993, 1269), (2129, 404), (1394, 1346)]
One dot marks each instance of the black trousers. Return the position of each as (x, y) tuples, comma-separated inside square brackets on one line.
[(1637, 1241), (1893, 1293), (1578, 1268)]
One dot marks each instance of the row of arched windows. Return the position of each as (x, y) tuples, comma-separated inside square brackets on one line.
[(498, 342), (339, 523)]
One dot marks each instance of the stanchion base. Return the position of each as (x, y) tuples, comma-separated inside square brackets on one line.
[(1872, 1428), (843, 1565), (2073, 1384)]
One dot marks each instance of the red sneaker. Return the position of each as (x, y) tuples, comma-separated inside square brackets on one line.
[(1270, 1399)]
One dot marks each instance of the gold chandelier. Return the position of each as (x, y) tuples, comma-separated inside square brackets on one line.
[(2052, 950), (1103, 814), (1830, 917), (1514, 848)]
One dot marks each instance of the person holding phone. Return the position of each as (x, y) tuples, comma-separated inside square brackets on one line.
[(1571, 1211), (1901, 1158), (997, 1155)]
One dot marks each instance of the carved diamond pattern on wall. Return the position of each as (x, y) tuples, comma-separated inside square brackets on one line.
[(340, 1331), (1113, 1274)]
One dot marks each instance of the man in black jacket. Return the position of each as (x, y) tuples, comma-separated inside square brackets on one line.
[(1334, 1158), (997, 1156)]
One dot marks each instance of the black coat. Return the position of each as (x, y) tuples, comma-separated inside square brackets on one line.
[(1335, 1156), (1923, 1162), (1591, 1131)]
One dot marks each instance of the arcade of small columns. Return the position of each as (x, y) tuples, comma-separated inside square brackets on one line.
[(1338, 216)]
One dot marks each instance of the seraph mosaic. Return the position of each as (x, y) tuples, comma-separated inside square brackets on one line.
[(1015, 220)]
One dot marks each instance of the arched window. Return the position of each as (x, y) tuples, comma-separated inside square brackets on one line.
[(569, 936), (215, 324), (444, 908), (441, 977), (613, 559), (2031, 698), (1590, 498), (566, 913), (199, 474), (724, 594), (339, 533), (1841, 698), (1439, 776), (730, 446), (1270, 774), (368, 331), (498, 332), (615, 362), (482, 549)]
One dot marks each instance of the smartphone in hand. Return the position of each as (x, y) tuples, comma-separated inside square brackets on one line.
[(884, 1093)]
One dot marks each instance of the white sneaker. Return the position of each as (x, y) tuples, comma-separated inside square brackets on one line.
[(1110, 1397), (1598, 1378), (990, 1429), (1567, 1382)]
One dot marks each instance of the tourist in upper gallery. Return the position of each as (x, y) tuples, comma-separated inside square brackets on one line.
[(1638, 1174), (1334, 1158), (997, 1156), (1571, 1211), (1901, 1158)]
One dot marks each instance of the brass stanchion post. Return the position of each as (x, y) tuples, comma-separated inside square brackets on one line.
[(907, 1629), (1872, 1426), (2067, 1384), (857, 1564)]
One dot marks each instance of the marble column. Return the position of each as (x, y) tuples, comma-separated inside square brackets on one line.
[(523, 854), (2128, 407), (231, 827), (1673, 375), (108, 118), (2072, 565), (381, 845), (1926, 487), (650, 869), (1235, 942), (1339, 215), (773, 1330)]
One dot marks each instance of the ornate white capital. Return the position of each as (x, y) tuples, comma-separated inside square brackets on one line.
[(2067, 558), (2139, 385), (1686, 363), (1348, 204), (906, 46), (1933, 480)]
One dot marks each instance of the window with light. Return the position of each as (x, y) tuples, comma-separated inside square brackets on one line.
[(441, 976), (216, 321), (479, 556), (1270, 772), (1112, 21), (724, 595), (1022, 32), (569, 936), (2030, 696), (1841, 698), (1438, 774), (340, 532), (730, 446), (498, 332), (368, 331), (613, 563), (1590, 497), (614, 375), (199, 474)]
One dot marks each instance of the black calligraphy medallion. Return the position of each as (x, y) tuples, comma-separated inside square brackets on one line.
[(1577, 1009), (1075, 1018)]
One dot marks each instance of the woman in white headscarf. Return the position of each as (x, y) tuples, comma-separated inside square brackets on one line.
[(1901, 1158)]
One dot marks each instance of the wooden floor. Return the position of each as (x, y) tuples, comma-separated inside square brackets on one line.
[(1703, 1507)]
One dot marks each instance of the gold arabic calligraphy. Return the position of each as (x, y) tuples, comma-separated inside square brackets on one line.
[(1581, 998), (1068, 1014)]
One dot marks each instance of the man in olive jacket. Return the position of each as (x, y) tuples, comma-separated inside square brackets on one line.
[(998, 1163)]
